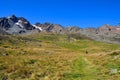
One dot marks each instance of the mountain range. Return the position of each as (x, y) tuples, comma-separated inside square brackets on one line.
[(19, 25)]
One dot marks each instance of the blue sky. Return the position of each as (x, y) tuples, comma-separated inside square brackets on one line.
[(82, 13)]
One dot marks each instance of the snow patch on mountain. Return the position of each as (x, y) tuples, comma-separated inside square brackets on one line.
[(37, 27), (19, 24), (118, 28)]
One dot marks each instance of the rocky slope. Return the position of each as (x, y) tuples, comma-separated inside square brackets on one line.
[(105, 33), (19, 25), (15, 25)]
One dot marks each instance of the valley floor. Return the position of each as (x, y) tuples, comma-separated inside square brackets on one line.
[(57, 57)]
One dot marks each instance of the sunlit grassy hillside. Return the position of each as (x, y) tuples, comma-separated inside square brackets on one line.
[(57, 57)]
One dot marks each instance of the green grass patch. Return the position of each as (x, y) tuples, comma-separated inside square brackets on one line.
[(71, 46), (82, 70)]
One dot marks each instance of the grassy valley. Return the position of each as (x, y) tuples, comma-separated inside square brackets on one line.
[(57, 57)]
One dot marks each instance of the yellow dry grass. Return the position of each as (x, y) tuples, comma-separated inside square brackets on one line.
[(52, 57)]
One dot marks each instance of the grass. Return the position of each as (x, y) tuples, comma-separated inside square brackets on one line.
[(54, 57)]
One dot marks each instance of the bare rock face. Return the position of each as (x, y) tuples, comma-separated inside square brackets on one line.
[(13, 18), (26, 24), (55, 28), (15, 25), (107, 28), (4, 23), (48, 27), (71, 30), (38, 24)]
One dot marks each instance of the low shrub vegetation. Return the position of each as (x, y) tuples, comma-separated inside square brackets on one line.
[(53, 57)]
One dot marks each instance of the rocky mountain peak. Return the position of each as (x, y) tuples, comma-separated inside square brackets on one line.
[(38, 24), (4, 23), (25, 23), (13, 18), (108, 29)]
